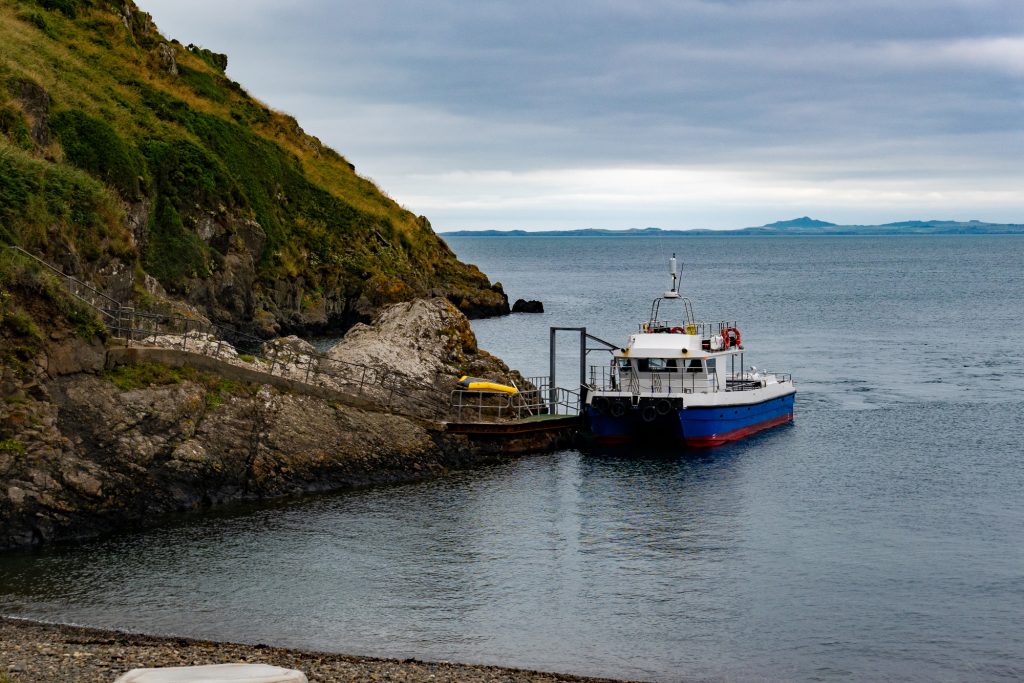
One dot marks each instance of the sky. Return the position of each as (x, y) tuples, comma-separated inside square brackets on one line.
[(548, 114)]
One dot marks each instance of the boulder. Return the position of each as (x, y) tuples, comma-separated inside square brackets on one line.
[(197, 342), (168, 59), (290, 346), (428, 340), (524, 306)]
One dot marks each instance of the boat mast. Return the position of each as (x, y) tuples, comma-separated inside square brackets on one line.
[(674, 292)]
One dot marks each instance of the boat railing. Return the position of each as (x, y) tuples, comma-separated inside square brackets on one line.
[(747, 381), (705, 330), (604, 378)]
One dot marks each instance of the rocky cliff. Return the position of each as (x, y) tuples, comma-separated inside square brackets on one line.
[(135, 162), (425, 339), (86, 449)]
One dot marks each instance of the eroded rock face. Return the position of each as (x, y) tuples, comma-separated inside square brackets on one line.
[(97, 458), (482, 303), (285, 348), (80, 456), (168, 58), (426, 339), (36, 103)]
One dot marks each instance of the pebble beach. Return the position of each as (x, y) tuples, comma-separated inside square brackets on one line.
[(33, 652)]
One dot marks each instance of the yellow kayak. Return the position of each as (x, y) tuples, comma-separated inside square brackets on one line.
[(480, 384)]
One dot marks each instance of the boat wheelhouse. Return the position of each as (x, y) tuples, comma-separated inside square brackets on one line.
[(684, 380)]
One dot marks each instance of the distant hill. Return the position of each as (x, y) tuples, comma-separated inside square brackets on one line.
[(797, 226), (803, 222)]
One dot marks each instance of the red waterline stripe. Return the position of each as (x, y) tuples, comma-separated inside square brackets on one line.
[(719, 439)]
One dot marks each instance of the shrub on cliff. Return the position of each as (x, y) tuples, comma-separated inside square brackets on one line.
[(92, 145)]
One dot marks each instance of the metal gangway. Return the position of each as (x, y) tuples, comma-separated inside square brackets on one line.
[(540, 396)]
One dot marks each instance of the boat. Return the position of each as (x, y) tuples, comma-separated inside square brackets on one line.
[(685, 381), (485, 385)]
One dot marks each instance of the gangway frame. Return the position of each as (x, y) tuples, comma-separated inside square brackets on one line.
[(584, 337)]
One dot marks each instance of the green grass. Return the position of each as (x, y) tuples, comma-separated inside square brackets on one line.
[(67, 7), (20, 273), (36, 196), (33, 300), (144, 375), (141, 375), (92, 145), (10, 446), (194, 146), (14, 128), (221, 388)]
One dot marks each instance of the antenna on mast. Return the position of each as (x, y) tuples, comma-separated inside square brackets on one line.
[(674, 292)]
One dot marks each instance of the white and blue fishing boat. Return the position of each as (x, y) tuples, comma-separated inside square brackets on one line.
[(683, 380)]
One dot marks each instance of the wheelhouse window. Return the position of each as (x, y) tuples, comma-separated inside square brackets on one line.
[(657, 365), (694, 365)]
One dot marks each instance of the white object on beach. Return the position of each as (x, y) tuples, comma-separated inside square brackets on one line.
[(215, 673)]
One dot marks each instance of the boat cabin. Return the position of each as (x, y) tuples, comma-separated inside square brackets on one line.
[(669, 363)]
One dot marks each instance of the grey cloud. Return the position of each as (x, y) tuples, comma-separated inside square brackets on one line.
[(823, 88)]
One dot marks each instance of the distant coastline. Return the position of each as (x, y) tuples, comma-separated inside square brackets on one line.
[(798, 226)]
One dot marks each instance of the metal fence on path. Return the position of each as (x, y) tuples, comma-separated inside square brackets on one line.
[(386, 387)]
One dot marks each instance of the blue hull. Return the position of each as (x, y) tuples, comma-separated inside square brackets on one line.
[(697, 427)]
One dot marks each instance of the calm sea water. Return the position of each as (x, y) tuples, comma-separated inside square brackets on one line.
[(879, 537)]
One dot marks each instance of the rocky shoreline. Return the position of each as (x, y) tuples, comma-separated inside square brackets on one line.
[(87, 449), (34, 652)]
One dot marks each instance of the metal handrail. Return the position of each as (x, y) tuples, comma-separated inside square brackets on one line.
[(72, 283), (525, 403), (124, 322)]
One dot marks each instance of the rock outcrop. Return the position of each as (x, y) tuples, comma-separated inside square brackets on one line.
[(36, 104), (425, 339), (524, 306), (168, 58), (97, 458), (85, 450)]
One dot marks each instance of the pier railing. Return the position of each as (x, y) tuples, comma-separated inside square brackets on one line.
[(107, 307), (379, 384), (536, 398)]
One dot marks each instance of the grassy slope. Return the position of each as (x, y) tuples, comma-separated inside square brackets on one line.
[(189, 148)]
